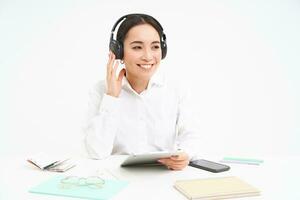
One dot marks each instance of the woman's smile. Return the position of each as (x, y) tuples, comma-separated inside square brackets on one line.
[(145, 66)]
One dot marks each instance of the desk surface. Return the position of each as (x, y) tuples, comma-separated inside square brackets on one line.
[(277, 178)]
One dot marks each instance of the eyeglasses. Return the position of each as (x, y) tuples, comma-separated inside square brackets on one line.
[(93, 182)]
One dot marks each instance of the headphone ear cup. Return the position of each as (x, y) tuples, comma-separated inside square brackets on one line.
[(163, 50), (117, 48)]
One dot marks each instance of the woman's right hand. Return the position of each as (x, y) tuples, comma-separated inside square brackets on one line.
[(114, 83)]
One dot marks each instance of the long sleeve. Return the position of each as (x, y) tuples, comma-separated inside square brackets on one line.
[(188, 138), (101, 124)]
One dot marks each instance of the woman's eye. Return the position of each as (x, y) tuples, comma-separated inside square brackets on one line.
[(137, 47), (156, 47)]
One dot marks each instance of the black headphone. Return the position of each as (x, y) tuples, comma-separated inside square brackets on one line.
[(117, 47)]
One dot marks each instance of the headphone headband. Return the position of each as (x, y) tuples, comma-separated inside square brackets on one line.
[(136, 14)]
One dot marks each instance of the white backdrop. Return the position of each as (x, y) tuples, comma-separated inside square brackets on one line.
[(240, 57)]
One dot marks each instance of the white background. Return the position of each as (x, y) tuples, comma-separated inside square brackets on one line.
[(241, 59)]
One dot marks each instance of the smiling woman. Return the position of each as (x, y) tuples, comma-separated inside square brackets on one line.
[(139, 110)]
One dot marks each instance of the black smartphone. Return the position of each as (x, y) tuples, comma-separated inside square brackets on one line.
[(209, 165)]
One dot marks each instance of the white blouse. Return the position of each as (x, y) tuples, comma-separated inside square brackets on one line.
[(158, 119)]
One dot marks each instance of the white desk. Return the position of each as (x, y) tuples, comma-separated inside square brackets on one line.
[(278, 178)]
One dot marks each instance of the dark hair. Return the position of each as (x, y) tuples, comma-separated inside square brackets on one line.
[(134, 20)]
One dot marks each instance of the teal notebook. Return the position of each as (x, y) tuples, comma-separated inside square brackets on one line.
[(52, 187)]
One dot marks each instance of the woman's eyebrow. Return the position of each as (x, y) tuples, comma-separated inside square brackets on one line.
[(155, 42), (140, 42)]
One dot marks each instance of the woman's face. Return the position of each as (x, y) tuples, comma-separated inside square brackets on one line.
[(142, 52)]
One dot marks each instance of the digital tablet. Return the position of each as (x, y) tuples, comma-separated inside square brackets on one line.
[(147, 158)]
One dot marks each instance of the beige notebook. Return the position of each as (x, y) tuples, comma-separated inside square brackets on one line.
[(215, 188)]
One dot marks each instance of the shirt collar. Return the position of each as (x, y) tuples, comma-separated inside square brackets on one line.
[(158, 78)]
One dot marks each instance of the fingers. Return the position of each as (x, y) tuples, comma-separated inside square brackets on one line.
[(170, 162), (114, 70), (111, 66), (181, 167), (178, 158), (181, 157), (114, 82), (177, 164)]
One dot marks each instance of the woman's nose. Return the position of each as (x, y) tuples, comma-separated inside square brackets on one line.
[(147, 55)]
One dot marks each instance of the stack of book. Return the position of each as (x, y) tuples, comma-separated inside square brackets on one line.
[(216, 188)]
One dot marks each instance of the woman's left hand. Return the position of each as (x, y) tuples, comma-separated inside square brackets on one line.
[(178, 162)]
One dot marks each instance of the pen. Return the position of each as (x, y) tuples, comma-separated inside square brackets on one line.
[(50, 165)]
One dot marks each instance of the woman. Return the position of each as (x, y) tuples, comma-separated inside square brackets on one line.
[(138, 110)]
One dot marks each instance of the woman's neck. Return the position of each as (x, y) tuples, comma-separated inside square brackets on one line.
[(138, 85)]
